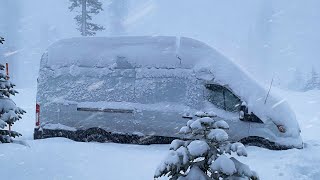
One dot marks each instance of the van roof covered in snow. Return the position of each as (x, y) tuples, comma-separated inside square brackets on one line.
[(145, 51), (172, 52)]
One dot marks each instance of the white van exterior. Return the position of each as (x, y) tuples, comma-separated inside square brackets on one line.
[(144, 89)]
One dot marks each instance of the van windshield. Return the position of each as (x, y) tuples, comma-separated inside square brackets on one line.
[(222, 97)]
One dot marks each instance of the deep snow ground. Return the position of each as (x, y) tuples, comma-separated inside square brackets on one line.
[(60, 158)]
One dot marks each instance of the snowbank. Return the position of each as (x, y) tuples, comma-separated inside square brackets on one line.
[(76, 160)]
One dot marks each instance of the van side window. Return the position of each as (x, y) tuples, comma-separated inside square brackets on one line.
[(223, 98)]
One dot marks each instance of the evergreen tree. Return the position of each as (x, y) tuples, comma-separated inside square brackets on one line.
[(204, 157), (313, 82), (1, 40), (88, 7), (298, 81), (118, 13), (9, 112)]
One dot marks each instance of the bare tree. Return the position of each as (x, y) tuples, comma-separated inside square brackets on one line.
[(88, 7)]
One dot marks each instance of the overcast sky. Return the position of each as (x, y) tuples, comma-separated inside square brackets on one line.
[(266, 37)]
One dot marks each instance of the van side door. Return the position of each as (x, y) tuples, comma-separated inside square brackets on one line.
[(161, 94)]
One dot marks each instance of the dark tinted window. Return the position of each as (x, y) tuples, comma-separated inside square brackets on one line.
[(223, 98)]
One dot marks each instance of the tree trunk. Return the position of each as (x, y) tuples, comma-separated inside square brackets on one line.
[(84, 18)]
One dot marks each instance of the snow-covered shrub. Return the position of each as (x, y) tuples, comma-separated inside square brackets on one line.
[(9, 112), (205, 156)]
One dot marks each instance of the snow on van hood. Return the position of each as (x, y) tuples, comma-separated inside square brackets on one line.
[(227, 73), (172, 52)]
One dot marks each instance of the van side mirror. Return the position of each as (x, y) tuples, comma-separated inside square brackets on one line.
[(245, 116), (243, 111)]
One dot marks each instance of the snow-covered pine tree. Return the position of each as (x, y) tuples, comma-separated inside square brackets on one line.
[(313, 82), (205, 156), (88, 7), (9, 112), (298, 81), (118, 13)]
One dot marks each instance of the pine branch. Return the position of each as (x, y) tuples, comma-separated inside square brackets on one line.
[(1, 40), (92, 7)]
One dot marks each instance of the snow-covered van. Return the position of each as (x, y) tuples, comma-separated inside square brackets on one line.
[(144, 89)]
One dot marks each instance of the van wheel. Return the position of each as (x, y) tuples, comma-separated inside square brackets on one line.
[(262, 142)]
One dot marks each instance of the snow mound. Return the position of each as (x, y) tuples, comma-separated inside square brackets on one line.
[(239, 149), (195, 173), (176, 144), (185, 130), (221, 124), (224, 165), (200, 124), (243, 169), (198, 148), (170, 161), (184, 155), (218, 135)]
